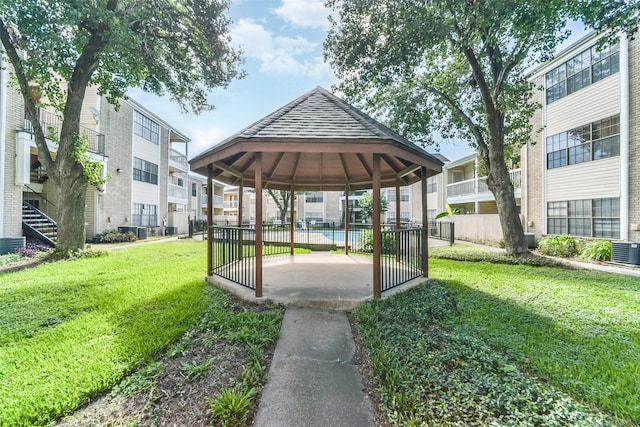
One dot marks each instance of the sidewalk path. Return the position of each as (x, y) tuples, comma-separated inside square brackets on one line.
[(312, 379)]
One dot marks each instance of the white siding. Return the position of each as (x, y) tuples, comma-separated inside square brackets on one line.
[(589, 180), (595, 102)]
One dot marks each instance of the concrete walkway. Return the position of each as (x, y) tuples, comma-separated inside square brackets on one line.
[(312, 379)]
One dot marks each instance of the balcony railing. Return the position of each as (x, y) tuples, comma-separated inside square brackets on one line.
[(218, 201), (233, 204), (51, 125), (479, 185), (177, 192), (178, 159)]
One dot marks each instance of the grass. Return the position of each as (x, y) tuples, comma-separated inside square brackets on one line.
[(69, 330), (507, 344)]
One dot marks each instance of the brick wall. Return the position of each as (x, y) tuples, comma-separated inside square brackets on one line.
[(533, 170), (114, 205), (13, 193)]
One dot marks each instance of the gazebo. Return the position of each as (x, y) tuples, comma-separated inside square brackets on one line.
[(317, 142)]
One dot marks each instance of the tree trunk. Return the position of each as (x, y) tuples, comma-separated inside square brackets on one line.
[(70, 189), (499, 182)]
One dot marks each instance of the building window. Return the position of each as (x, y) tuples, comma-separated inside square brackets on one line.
[(144, 215), (314, 197), (194, 189), (404, 195), (145, 171), (582, 70), (585, 218), (605, 62), (557, 217), (432, 184), (145, 127), (595, 141), (313, 216)]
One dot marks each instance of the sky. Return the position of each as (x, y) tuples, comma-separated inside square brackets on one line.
[(282, 44)]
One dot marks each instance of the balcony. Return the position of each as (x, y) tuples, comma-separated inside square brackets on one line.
[(218, 201), (178, 161), (176, 194), (51, 125), (476, 189), (231, 204)]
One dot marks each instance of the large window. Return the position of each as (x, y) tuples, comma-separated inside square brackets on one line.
[(597, 140), (145, 127), (391, 195), (314, 197), (587, 218), (582, 70), (145, 171), (432, 184), (194, 189), (144, 215)]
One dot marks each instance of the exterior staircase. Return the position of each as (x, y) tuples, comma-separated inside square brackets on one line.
[(38, 225)]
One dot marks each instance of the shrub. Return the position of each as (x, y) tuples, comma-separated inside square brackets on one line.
[(32, 249), (597, 250), (558, 245), (115, 236), (10, 259), (388, 242), (231, 408)]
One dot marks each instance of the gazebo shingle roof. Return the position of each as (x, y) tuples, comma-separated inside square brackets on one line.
[(316, 130)]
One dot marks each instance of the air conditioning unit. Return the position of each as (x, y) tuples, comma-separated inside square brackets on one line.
[(626, 253)]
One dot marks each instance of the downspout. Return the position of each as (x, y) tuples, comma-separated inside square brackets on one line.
[(624, 138), (543, 166), (3, 138)]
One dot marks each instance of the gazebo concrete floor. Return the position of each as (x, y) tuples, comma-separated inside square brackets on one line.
[(318, 280)]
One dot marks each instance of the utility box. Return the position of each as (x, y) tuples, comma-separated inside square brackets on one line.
[(626, 253), (142, 233), (531, 240)]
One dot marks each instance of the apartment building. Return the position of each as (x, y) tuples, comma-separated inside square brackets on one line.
[(583, 172), (145, 157)]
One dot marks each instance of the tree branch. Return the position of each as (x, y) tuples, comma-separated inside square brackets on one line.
[(30, 106)]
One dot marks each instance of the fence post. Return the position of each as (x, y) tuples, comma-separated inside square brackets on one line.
[(451, 233)]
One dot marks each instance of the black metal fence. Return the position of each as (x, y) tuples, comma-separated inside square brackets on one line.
[(234, 257), (442, 230), (401, 259)]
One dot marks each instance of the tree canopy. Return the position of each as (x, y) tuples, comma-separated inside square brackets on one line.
[(366, 204), (58, 48), (458, 68)]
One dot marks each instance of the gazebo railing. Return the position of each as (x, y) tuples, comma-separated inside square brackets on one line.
[(233, 254), (234, 258), (401, 257)]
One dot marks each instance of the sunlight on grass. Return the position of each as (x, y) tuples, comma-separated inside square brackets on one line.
[(578, 329), (69, 330)]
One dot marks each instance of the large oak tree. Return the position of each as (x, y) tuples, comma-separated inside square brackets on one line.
[(459, 68), (59, 48)]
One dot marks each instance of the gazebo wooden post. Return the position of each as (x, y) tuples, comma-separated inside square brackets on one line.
[(425, 224), (240, 207), (377, 231), (209, 220), (258, 228), (292, 224), (346, 219), (398, 224)]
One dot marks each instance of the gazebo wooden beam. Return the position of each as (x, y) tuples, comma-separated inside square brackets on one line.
[(258, 239), (377, 232), (345, 169), (275, 165), (363, 162), (228, 169)]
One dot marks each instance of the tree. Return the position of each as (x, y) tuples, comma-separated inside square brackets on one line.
[(449, 212), (459, 68), (366, 204), (59, 48), (282, 199)]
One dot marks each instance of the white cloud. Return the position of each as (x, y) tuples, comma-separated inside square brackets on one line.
[(304, 13), (203, 139), (284, 56)]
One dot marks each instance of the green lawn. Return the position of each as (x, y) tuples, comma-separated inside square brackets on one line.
[(71, 329), (508, 344)]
